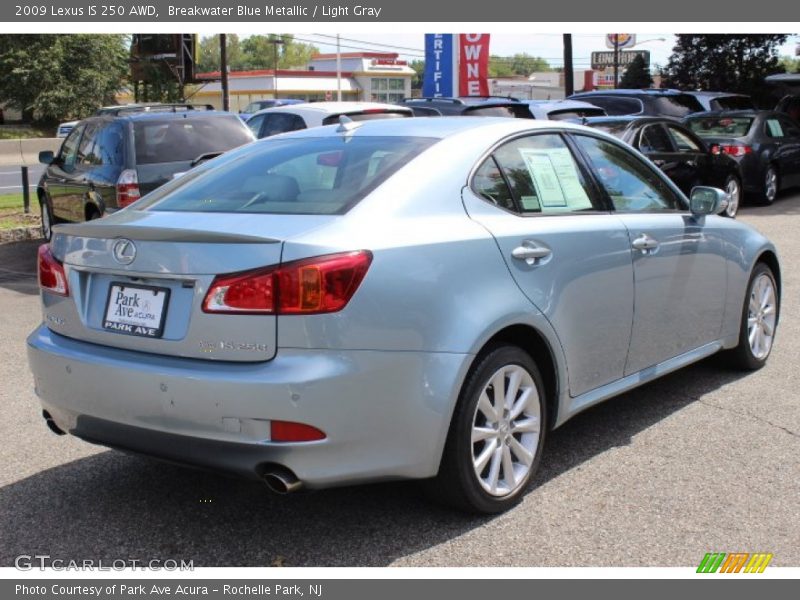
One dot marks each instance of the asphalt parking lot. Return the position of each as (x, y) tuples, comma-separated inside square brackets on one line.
[(703, 460)]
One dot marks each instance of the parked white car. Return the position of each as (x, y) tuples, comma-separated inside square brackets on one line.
[(280, 119)]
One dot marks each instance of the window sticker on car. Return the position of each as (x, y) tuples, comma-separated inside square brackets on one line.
[(556, 179)]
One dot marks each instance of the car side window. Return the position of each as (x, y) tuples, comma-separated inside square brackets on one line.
[(276, 123), (683, 141), (110, 145), (654, 139), (543, 177), (490, 183), (615, 105), (631, 184), (773, 128), (255, 124), (69, 150), (86, 153), (790, 129)]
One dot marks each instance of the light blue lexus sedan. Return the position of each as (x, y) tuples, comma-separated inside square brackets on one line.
[(398, 299)]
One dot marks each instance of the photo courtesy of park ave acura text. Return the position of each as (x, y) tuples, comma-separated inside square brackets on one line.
[(274, 298)]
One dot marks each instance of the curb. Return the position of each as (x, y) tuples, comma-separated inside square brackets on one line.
[(20, 234)]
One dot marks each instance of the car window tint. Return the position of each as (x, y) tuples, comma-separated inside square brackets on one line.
[(683, 142), (630, 183), (367, 116), (86, 153), (720, 126), (575, 113), (69, 150), (615, 105), (185, 139), (789, 128), (489, 183), (773, 128), (255, 124), (654, 139), (292, 176), (732, 103), (109, 147), (543, 175), (275, 123), (678, 105)]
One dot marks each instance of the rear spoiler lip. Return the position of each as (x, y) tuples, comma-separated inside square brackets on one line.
[(100, 230)]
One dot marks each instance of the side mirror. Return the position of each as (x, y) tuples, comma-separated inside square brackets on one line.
[(46, 157), (707, 201)]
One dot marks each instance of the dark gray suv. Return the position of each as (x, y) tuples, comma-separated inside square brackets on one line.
[(110, 160)]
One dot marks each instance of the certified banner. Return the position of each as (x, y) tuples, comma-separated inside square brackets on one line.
[(440, 58), (474, 64)]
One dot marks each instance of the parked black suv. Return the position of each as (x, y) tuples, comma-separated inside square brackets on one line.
[(649, 102), (108, 161), (469, 106)]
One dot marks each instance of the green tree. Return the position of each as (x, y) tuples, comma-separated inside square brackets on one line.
[(61, 76), (790, 64), (254, 52), (724, 62), (520, 64), (637, 75), (419, 73)]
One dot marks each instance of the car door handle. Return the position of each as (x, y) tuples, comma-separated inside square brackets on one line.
[(645, 243), (531, 252)]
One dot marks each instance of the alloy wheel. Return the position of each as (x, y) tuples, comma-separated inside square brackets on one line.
[(761, 316)]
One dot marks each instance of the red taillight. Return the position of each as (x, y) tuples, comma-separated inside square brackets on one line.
[(736, 149), (127, 188), (286, 431), (715, 149), (52, 276), (323, 284)]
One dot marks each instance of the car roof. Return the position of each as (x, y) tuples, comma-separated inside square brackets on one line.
[(162, 115), (463, 100), (631, 119), (560, 104), (439, 128), (330, 108), (712, 94), (629, 92)]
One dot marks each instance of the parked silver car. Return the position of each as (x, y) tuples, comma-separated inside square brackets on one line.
[(397, 299)]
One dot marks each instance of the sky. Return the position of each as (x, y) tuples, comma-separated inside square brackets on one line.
[(410, 46)]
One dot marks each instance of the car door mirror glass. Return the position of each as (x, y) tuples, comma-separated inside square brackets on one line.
[(46, 157), (707, 200)]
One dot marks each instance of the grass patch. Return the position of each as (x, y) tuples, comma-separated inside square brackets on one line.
[(16, 132), (8, 201)]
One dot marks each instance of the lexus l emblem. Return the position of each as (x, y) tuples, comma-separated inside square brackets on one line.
[(124, 251)]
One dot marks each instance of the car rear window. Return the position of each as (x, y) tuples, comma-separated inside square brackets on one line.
[(678, 105), (368, 115), (185, 139), (732, 103), (292, 176), (615, 128), (720, 126), (575, 113), (520, 111)]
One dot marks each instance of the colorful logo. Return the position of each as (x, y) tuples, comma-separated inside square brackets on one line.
[(735, 562)]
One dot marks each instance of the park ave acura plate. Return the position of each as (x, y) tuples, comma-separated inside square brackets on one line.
[(136, 309)]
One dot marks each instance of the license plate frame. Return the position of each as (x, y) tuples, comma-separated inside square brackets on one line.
[(135, 325)]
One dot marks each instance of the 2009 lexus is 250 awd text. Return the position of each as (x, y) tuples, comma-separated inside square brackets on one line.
[(399, 299)]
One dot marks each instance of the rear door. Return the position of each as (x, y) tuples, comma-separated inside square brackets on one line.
[(568, 254), (679, 265), (789, 151)]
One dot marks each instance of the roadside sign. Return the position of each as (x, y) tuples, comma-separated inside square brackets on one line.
[(602, 60), (624, 40)]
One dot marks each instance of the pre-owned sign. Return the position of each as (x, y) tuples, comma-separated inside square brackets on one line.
[(474, 64), (601, 60)]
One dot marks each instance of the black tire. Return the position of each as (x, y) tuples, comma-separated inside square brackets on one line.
[(457, 483), (743, 357), (733, 183), (769, 190), (47, 219)]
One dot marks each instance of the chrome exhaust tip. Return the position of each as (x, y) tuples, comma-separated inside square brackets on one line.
[(282, 481)]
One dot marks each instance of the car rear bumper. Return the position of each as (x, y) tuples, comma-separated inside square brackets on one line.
[(385, 414)]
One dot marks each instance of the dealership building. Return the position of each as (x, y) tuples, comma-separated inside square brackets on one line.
[(371, 76)]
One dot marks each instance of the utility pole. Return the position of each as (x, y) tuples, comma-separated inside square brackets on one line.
[(569, 76), (616, 60), (223, 66), (338, 70)]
